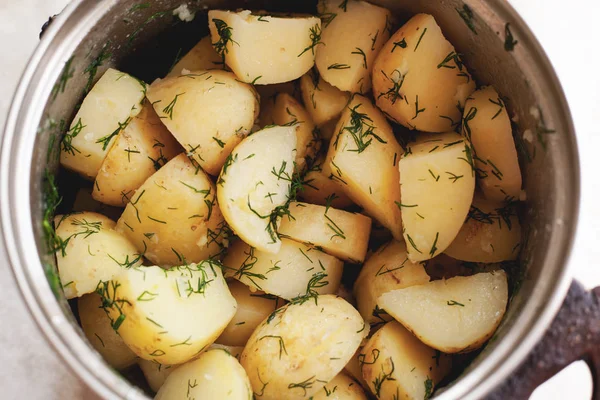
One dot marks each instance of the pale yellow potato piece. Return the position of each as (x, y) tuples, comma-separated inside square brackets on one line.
[(111, 104), (216, 374), (302, 347), (90, 251), (293, 271), (354, 369), (487, 125), (386, 269), (268, 94), (208, 112), (155, 373), (262, 49), (252, 309), (322, 101), (320, 188), (351, 41), (418, 78), (140, 150), (342, 387), (100, 333), (201, 57), (174, 217), (151, 309), (255, 180), (363, 156), (466, 310), (397, 365), (342, 234), (491, 233), (437, 182)]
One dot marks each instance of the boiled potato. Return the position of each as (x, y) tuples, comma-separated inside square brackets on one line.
[(151, 307), (342, 234), (201, 57), (235, 351), (100, 333), (487, 126), (321, 188), (141, 149), (419, 79), (491, 233), (106, 110), (89, 250), (252, 309), (466, 310), (397, 365), (363, 155), (216, 374), (386, 269), (351, 41), (323, 102), (155, 373), (301, 347), (354, 369), (271, 91), (208, 112), (174, 217), (255, 181), (342, 387), (293, 271), (437, 183), (262, 49)]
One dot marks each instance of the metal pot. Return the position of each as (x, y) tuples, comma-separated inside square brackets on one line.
[(144, 38)]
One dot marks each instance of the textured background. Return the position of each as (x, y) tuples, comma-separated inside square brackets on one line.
[(569, 33)]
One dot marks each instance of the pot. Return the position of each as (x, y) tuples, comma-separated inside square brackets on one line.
[(144, 38)]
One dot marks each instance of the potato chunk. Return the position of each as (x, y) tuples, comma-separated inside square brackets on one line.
[(322, 101), (363, 156), (106, 110), (216, 374), (397, 365), (419, 79), (208, 112), (342, 387), (437, 182), (255, 180), (342, 234), (304, 345), (386, 269), (201, 57), (351, 41), (262, 49), (321, 188), (155, 373), (89, 251), (151, 307), (293, 271), (174, 217), (487, 126), (140, 150), (465, 310)]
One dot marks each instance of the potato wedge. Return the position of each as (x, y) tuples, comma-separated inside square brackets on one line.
[(293, 271), (386, 269), (106, 110), (89, 250), (302, 346), (150, 308), (323, 102), (255, 181), (155, 373), (437, 182), (174, 218), (342, 387), (216, 374), (354, 369), (419, 79), (262, 49), (201, 57), (140, 150), (320, 187), (342, 234), (363, 155), (252, 309), (99, 332), (208, 112), (351, 41), (466, 310), (487, 126), (397, 365)]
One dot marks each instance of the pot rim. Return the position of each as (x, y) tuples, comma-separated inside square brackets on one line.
[(23, 119)]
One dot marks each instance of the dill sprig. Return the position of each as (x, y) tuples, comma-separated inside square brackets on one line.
[(467, 15), (361, 129), (106, 140), (67, 140), (225, 33), (315, 39), (397, 80), (509, 42)]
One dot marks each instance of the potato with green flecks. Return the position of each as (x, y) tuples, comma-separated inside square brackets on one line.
[(322, 101), (321, 188), (201, 57), (342, 387)]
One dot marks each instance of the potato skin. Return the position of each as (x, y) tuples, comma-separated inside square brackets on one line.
[(201, 57)]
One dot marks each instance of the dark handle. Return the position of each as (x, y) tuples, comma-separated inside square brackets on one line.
[(574, 335)]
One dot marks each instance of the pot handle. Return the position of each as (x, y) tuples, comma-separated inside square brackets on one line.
[(573, 335)]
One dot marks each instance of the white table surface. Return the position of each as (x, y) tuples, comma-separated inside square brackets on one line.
[(568, 31)]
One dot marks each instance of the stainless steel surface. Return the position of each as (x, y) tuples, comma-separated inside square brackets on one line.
[(525, 77)]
